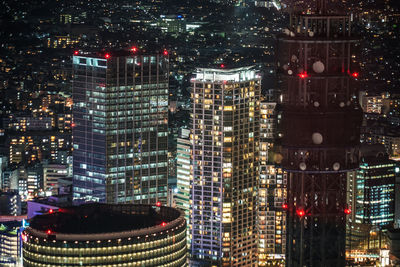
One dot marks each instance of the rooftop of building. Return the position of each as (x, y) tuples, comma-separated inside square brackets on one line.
[(130, 51), (224, 73), (63, 200), (99, 218)]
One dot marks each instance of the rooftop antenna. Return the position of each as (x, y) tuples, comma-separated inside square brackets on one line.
[(321, 6)]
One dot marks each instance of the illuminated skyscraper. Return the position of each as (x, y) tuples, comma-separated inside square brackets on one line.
[(120, 126), (271, 194), (375, 182), (183, 154), (321, 117), (225, 152)]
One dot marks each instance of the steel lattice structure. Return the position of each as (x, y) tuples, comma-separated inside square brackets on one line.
[(319, 132)]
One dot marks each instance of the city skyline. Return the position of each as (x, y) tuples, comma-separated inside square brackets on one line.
[(272, 126)]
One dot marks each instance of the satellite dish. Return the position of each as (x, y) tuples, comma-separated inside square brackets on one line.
[(341, 104), (311, 34), (316, 104), (336, 166), (285, 67), (302, 166), (286, 31), (317, 138), (294, 58), (318, 67), (290, 72)]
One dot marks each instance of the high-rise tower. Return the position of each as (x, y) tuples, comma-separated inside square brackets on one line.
[(120, 126), (319, 132), (271, 193), (225, 153)]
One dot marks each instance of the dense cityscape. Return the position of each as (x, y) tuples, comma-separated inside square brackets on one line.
[(200, 133)]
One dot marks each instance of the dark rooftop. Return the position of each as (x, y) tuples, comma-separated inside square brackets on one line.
[(130, 51), (102, 218)]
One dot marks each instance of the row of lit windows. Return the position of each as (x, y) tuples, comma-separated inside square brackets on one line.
[(107, 256), (179, 259), (114, 249)]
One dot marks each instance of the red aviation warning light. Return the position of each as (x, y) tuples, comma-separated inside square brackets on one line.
[(48, 232), (300, 212), (355, 74), (24, 237), (347, 211), (165, 52), (51, 210), (158, 204), (107, 55), (163, 224), (76, 52), (303, 75), (285, 206), (134, 49)]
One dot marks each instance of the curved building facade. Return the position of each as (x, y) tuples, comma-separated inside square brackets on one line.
[(107, 235)]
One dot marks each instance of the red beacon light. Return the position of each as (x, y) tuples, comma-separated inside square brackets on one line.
[(165, 52), (303, 75), (222, 65), (355, 74), (134, 49), (163, 224), (48, 232), (76, 52), (285, 206), (300, 212), (158, 204), (347, 211), (24, 237), (51, 210), (107, 55)]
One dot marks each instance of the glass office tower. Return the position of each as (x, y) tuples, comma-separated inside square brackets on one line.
[(225, 152), (120, 127), (375, 192)]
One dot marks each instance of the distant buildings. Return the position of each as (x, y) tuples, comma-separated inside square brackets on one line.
[(225, 152), (107, 235), (372, 103), (52, 173), (10, 242), (120, 126), (10, 203)]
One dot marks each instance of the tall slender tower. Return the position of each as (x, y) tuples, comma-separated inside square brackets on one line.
[(120, 126), (319, 132), (224, 173)]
